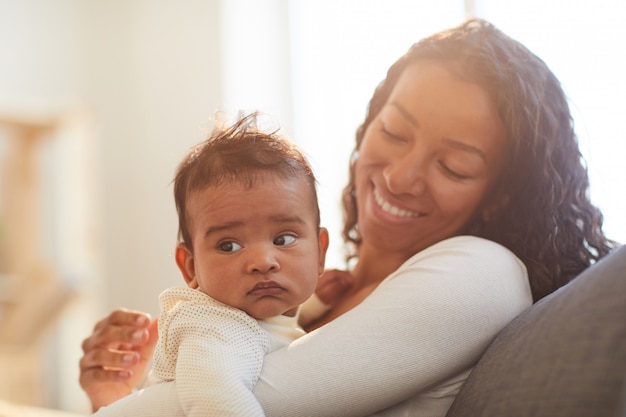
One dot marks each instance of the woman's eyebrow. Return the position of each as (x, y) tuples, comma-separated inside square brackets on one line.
[(460, 145), (408, 116)]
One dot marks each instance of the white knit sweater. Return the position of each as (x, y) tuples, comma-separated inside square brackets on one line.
[(207, 359)]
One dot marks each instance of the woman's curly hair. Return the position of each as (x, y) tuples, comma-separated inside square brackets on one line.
[(549, 222)]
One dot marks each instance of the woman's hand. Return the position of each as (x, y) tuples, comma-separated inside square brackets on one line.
[(333, 285), (116, 356)]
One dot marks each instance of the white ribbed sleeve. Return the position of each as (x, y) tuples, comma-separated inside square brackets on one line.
[(412, 341)]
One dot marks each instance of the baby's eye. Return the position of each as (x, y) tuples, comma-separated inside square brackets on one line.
[(229, 246), (284, 240)]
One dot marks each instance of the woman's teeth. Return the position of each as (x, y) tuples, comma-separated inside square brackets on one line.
[(393, 210)]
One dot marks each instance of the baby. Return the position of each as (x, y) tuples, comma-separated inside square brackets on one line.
[(250, 250)]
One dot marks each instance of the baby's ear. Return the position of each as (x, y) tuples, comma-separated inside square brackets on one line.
[(493, 209), (186, 265), (323, 241)]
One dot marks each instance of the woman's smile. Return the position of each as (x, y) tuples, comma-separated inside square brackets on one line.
[(425, 167), (391, 209)]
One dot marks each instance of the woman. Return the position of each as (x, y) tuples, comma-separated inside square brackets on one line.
[(467, 200)]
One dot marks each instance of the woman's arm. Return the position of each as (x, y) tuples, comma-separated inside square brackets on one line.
[(425, 323)]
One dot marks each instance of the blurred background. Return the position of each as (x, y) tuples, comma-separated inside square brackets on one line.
[(100, 99)]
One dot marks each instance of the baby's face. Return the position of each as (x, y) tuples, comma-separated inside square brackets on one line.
[(257, 249)]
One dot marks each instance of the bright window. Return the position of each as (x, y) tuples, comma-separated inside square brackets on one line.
[(317, 64)]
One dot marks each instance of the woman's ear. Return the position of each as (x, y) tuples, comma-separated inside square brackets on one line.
[(322, 247), (186, 265), (493, 209)]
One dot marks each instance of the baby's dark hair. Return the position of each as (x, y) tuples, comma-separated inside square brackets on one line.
[(241, 154)]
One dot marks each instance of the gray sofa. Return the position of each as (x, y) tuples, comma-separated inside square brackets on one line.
[(565, 356)]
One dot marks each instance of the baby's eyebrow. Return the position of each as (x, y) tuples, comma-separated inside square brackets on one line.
[(222, 227), (288, 219), (234, 224)]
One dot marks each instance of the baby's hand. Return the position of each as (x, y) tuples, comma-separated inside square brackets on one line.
[(333, 285)]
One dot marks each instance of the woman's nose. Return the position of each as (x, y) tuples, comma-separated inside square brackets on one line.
[(407, 173), (262, 259)]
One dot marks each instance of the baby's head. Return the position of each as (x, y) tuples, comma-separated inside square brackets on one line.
[(249, 233)]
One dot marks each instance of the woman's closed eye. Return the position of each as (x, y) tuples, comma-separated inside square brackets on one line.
[(285, 240), (452, 172), (392, 135)]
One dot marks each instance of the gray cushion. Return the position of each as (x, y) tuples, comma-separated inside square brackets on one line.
[(565, 356)]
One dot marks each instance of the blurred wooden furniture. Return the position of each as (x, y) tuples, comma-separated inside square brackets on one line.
[(31, 296)]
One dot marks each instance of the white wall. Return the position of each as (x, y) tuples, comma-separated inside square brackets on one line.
[(340, 51), (155, 85), (148, 73)]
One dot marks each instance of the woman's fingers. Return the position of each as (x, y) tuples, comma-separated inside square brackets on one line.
[(104, 386), (124, 318), (116, 355), (108, 360), (332, 285), (118, 329), (146, 348)]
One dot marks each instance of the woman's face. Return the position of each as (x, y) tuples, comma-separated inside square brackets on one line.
[(428, 161)]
